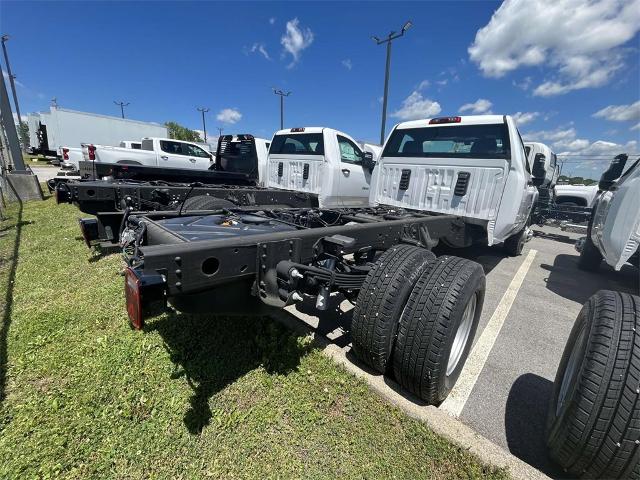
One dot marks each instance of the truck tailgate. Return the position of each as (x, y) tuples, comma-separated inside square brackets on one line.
[(430, 184), (302, 173)]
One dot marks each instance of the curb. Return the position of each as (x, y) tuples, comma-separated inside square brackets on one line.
[(439, 421)]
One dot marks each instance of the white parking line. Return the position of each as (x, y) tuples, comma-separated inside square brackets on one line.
[(475, 363)]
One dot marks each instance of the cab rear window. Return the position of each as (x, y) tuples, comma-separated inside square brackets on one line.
[(297, 144), (460, 141)]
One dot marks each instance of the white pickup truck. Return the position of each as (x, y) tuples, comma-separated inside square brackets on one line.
[(70, 157), (575, 195), (156, 152), (324, 162), (474, 167)]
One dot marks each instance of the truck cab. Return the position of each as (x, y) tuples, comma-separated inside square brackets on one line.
[(324, 162), (534, 149), (614, 231), (474, 167)]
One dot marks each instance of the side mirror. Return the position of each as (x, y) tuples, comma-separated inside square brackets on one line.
[(612, 173), (539, 169), (368, 162)]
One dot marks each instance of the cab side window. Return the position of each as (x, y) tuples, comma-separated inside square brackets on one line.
[(349, 151), (173, 148), (194, 151)]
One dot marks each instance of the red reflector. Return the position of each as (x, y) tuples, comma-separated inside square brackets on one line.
[(65, 153), (297, 130), (435, 121), (134, 302), (92, 152)]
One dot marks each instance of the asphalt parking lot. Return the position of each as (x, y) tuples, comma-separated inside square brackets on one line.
[(530, 305)]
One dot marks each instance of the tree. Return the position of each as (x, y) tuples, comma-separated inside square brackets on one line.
[(179, 132), (23, 134)]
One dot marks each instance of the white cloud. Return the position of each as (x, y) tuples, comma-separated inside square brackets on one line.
[(635, 127), (346, 63), (524, 84), (272, 20), (479, 107), (564, 140), (259, 48), (620, 113), (442, 83), (415, 107), (559, 137), (600, 147), (296, 39), (423, 84), (580, 41), (229, 115), (522, 118)]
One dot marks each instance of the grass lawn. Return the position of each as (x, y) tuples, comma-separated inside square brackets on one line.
[(83, 395)]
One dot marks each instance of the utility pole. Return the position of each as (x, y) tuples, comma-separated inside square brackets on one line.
[(122, 105), (12, 77), (220, 129), (392, 36), (282, 94), (203, 110), (10, 129)]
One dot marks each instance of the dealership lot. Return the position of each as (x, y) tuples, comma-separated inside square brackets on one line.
[(507, 402)]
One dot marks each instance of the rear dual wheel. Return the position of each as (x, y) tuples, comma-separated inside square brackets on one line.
[(437, 328), (418, 315)]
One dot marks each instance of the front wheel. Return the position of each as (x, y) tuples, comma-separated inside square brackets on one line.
[(590, 256), (515, 243), (594, 416)]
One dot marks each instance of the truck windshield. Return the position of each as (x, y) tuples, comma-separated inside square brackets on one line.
[(298, 144), (460, 141)]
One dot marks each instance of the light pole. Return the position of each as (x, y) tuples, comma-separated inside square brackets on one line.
[(220, 129), (392, 36), (282, 94), (122, 105), (203, 110), (11, 77)]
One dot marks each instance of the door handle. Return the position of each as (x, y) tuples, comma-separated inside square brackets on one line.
[(346, 171), (192, 160), (164, 157)]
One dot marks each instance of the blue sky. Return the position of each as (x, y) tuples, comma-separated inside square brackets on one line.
[(557, 62)]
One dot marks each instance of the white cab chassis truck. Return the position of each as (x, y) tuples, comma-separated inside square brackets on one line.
[(474, 167), (324, 162), (614, 230)]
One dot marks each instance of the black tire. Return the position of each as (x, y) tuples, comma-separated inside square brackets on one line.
[(593, 426), (429, 325), (381, 301), (206, 202), (590, 257), (515, 243)]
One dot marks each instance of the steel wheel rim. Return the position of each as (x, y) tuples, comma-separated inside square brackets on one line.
[(569, 372), (462, 334)]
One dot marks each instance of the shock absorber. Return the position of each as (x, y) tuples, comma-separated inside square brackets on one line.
[(322, 300)]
